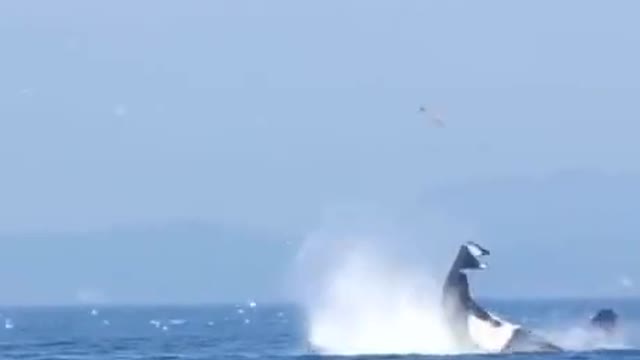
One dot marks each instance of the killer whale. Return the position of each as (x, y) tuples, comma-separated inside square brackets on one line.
[(473, 327)]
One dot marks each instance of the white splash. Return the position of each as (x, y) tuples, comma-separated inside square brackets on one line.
[(155, 323), (177, 321), (581, 338), (488, 337), (359, 302)]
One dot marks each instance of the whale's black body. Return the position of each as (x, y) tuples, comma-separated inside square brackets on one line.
[(461, 311)]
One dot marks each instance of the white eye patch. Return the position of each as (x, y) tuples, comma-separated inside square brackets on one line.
[(475, 249)]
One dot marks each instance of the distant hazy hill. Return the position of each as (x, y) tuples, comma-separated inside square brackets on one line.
[(185, 262), (572, 234)]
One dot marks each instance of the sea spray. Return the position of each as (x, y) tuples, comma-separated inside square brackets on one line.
[(576, 337), (358, 299)]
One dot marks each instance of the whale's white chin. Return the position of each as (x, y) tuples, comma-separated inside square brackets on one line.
[(488, 337)]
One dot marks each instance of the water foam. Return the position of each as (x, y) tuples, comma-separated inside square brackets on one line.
[(359, 301), (582, 338)]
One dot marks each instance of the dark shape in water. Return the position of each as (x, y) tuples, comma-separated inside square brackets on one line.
[(605, 319)]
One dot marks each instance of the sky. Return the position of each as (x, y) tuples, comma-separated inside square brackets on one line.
[(272, 115)]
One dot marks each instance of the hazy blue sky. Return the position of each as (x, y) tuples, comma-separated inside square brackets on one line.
[(271, 114)]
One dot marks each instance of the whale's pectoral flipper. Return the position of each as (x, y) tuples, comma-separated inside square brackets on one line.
[(482, 314)]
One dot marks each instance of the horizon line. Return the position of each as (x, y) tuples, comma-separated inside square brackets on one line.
[(272, 303)]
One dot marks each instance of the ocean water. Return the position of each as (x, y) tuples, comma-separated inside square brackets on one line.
[(241, 331)]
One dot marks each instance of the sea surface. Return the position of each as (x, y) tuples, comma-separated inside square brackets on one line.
[(250, 331)]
